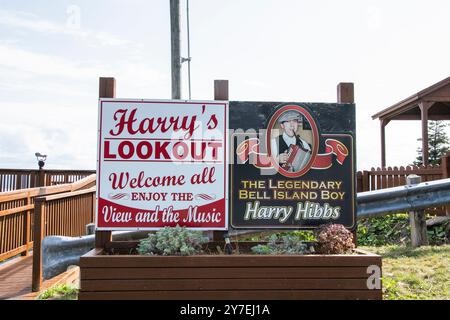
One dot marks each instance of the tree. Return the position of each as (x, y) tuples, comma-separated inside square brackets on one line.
[(438, 143)]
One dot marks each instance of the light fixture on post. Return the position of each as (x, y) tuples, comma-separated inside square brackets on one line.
[(41, 159)]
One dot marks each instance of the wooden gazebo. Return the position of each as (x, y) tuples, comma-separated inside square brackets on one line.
[(432, 103)]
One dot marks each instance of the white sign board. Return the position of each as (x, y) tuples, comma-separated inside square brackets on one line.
[(162, 163)]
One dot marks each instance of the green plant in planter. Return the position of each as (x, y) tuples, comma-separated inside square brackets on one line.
[(168, 241), (289, 244)]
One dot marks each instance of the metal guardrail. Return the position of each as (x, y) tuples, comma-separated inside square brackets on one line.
[(403, 199), (60, 252)]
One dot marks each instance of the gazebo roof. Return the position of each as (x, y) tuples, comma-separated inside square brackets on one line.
[(408, 109)]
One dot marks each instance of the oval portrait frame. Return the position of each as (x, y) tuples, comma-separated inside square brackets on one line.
[(315, 137)]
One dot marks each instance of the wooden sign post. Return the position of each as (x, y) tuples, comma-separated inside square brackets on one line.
[(220, 93), (346, 94), (107, 89)]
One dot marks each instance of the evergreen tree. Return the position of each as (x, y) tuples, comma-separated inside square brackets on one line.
[(438, 143)]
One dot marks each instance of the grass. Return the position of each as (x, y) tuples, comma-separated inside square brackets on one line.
[(415, 274), (61, 292)]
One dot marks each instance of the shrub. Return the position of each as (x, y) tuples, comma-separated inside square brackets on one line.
[(439, 234), (289, 244), (334, 239), (60, 292), (385, 230), (394, 229), (172, 241)]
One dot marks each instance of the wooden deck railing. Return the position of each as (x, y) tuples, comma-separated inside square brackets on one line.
[(15, 179), (65, 214), (17, 215)]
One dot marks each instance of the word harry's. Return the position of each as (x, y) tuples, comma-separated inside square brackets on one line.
[(304, 211), (128, 122)]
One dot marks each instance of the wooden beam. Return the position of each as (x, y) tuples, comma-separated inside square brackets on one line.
[(221, 90), (398, 112), (438, 99), (424, 107), (39, 234), (383, 124), (8, 212), (345, 92), (12, 253), (27, 228), (41, 180), (435, 117), (107, 87), (220, 93)]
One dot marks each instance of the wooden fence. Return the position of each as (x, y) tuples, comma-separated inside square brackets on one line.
[(382, 178), (15, 179), (65, 214), (17, 215)]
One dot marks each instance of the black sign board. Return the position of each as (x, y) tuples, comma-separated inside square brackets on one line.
[(292, 165)]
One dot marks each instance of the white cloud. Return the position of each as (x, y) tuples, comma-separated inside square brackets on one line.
[(42, 64), (30, 22), (66, 134), (23, 65)]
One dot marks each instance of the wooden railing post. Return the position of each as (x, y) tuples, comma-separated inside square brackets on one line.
[(41, 178), (18, 181), (39, 233), (93, 203), (445, 166), (359, 183), (27, 228), (417, 219), (365, 181), (107, 89)]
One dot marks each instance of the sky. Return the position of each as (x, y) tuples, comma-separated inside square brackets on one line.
[(53, 52)]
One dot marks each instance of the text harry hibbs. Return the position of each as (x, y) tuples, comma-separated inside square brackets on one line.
[(304, 211)]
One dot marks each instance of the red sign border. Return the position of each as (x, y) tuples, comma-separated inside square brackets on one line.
[(225, 104)]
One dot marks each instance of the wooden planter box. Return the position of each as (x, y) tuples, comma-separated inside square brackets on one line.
[(252, 277)]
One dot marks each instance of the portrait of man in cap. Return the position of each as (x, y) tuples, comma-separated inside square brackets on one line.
[(290, 151)]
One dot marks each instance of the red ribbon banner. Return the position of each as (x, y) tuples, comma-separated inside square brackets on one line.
[(322, 161)]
